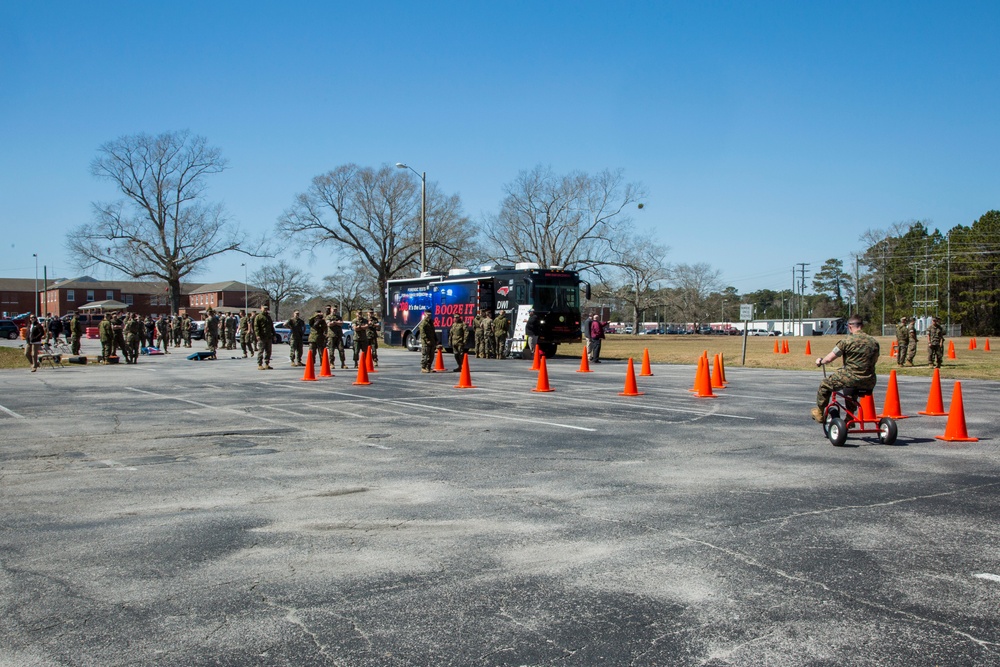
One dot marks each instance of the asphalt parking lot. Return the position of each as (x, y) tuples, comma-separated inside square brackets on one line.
[(207, 513)]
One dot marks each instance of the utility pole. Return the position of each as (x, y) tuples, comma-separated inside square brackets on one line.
[(802, 293)]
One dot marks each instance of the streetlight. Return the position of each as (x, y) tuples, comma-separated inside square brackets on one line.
[(246, 300), (724, 302), (35, 255), (423, 214)]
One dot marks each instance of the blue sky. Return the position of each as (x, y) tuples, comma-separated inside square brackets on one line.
[(766, 133)]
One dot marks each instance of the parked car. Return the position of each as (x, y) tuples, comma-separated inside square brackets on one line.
[(9, 330), (197, 330), (282, 335)]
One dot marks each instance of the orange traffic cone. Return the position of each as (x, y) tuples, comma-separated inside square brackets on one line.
[(465, 379), (646, 370), (369, 360), (438, 362), (891, 407), (935, 404), (534, 363), (630, 387), (717, 382), (808, 349), (543, 378), (866, 409), (362, 370), (697, 375), (784, 347), (310, 374), (954, 430), (951, 350), (986, 345), (324, 368), (704, 380), (585, 362), (972, 343), (892, 352), (722, 364), (777, 347)]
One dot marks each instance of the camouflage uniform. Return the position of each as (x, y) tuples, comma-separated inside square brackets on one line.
[(477, 334), (374, 327), (75, 334), (500, 326), (335, 336), (118, 326), (489, 342), (911, 350), (163, 333), (360, 324), (935, 344), (297, 326), (232, 324), (428, 342), (246, 342), (317, 335), (860, 353), (107, 334), (133, 332), (175, 331), (186, 330), (902, 340), (212, 331), (263, 328), (457, 336)]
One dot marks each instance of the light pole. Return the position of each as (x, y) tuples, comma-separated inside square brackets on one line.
[(246, 300), (35, 255), (423, 214), (724, 311)]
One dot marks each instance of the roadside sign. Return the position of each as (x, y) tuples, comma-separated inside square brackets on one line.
[(746, 311)]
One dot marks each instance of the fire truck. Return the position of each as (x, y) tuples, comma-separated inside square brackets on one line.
[(553, 293)]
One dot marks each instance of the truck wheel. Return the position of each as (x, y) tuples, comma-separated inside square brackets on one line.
[(410, 342), (548, 349)]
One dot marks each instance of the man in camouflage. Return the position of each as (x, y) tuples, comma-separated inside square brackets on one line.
[(374, 330), (360, 324), (163, 333), (457, 336), (263, 328), (297, 333), (911, 335), (489, 341), (75, 334), (246, 342), (902, 341), (477, 333), (175, 331), (118, 325), (500, 326), (133, 332), (860, 352), (107, 333), (428, 341), (211, 330), (335, 335), (317, 335), (186, 330), (935, 343), (232, 325)]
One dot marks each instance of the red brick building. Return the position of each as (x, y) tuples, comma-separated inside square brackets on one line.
[(17, 296)]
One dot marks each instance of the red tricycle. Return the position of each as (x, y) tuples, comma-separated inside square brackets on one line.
[(847, 413)]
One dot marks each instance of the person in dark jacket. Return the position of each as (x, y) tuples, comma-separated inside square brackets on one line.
[(531, 330), (33, 338)]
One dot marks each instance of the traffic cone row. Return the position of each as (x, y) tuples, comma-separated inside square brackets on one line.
[(972, 343), (784, 346)]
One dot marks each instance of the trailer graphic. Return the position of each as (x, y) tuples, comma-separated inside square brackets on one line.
[(554, 294)]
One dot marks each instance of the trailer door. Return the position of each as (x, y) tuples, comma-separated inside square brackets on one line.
[(487, 294)]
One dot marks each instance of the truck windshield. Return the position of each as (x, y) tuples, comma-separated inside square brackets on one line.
[(556, 297)]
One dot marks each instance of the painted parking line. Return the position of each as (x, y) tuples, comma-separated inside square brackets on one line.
[(988, 576), (241, 413), (10, 412)]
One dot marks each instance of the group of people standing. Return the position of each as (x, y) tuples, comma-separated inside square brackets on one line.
[(906, 342), (486, 336), (326, 331)]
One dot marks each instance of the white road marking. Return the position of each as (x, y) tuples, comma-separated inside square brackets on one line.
[(988, 576), (329, 409), (272, 407), (11, 413), (241, 413)]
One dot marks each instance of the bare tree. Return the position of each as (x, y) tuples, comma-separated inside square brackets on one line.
[(573, 221), (693, 284), (162, 228), (375, 214), (281, 282), (640, 270), (352, 288)]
